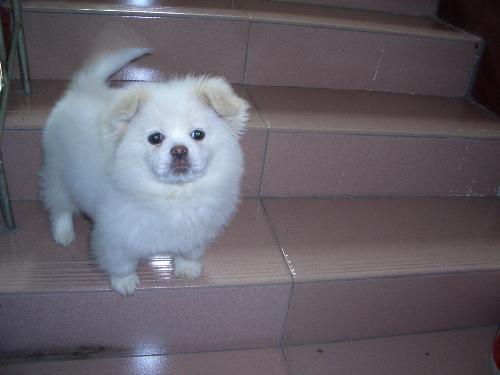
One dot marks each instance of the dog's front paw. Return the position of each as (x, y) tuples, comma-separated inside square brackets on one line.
[(62, 229), (186, 268), (125, 285)]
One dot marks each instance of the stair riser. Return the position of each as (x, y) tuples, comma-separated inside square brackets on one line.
[(299, 164), (418, 7), (325, 164), (283, 55), (333, 311), (151, 322), (260, 53), (181, 45)]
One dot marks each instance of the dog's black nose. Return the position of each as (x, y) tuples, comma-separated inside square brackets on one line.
[(179, 152)]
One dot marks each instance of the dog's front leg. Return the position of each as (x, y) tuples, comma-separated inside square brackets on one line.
[(188, 264)]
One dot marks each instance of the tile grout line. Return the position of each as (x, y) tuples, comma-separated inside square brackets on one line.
[(289, 270), (266, 142)]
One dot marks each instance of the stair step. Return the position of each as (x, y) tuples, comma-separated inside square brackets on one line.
[(319, 46), (378, 267), (460, 352), (319, 142), (54, 299), (298, 270)]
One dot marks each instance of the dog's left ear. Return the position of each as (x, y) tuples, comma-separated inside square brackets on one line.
[(219, 95)]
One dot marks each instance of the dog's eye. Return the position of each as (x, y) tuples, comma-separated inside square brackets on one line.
[(156, 138), (198, 135)]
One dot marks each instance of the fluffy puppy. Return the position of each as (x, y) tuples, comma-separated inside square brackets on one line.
[(156, 166)]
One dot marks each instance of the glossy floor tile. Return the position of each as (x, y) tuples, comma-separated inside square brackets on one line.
[(244, 362), (461, 352)]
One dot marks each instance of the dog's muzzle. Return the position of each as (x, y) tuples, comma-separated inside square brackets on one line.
[(180, 161)]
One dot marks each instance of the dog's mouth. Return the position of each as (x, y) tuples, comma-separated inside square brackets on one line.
[(180, 167)]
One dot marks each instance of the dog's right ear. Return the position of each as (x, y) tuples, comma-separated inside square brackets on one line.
[(121, 113)]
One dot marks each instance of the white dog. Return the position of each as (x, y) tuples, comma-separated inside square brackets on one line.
[(157, 166)]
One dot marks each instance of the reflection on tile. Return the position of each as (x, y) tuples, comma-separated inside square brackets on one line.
[(241, 362)]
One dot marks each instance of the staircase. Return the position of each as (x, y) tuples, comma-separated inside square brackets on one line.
[(368, 239)]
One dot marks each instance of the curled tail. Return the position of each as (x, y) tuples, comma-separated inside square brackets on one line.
[(96, 73)]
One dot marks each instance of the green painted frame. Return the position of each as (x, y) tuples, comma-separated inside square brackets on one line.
[(17, 45)]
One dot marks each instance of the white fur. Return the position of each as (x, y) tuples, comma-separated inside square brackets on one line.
[(97, 160)]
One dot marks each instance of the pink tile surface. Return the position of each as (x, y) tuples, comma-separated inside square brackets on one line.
[(181, 45), (291, 109), (312, 164), (289, 55), (246, 253), (243, 362), (362, 238), (461, 352)]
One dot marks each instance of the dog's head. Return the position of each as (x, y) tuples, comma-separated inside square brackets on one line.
[(173, 132)]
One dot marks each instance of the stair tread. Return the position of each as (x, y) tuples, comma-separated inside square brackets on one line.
[(31, 112), (246, 254), (292, 109), (266, 11), (222, 9), (343, 239), (322, 239)]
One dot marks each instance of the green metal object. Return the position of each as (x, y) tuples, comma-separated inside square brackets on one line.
[(17, 47)]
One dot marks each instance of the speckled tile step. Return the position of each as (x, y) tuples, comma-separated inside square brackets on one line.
[(55, 300), (460, 352), (378, 267), (319, 46), (243, 362)]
